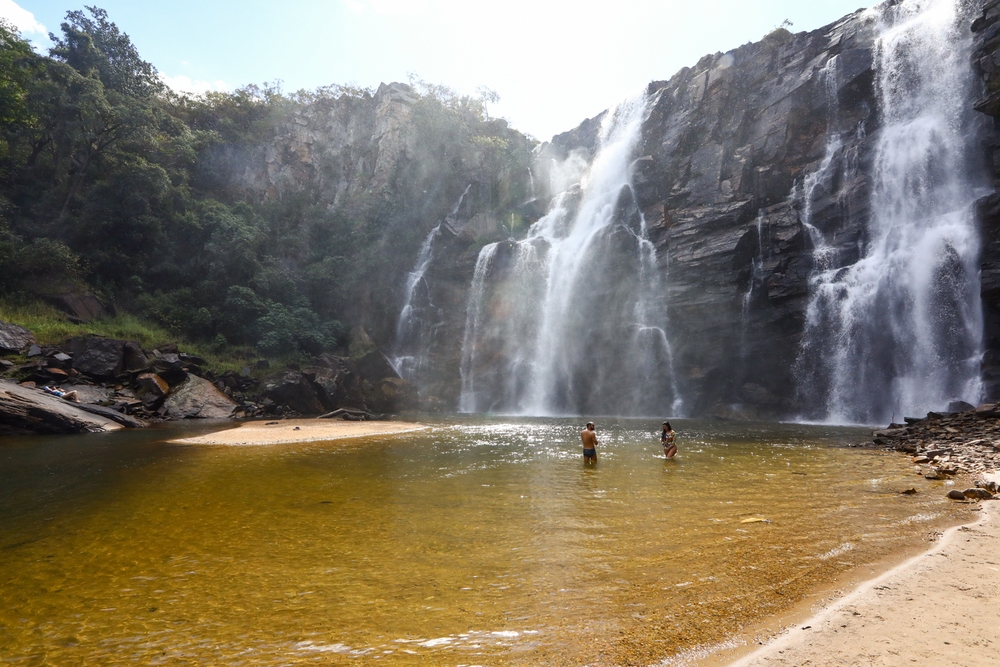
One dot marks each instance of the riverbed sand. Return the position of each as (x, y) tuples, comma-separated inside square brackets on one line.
[(937, 608), (300, 430)]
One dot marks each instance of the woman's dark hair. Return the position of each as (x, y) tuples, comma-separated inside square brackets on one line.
[(666, 426)]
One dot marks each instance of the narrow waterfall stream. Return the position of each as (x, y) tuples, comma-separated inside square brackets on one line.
[(418, 315), (567, 321), (898, 332)]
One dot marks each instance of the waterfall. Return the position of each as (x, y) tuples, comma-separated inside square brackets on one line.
[(473, 315), (569, 319), (756, 276), (418, 316), (899, 331)]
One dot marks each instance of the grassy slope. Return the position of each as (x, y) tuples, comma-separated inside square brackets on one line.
[(51, 327)]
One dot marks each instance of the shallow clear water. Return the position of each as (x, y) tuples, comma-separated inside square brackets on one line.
[(477, 542)]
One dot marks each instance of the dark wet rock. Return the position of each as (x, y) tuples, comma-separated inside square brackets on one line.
[(26, 410), (977, 494), (98, 357), (955, 494), (151, 389), (197, 398), (989, 485), (338, 382), (294, 390), (133, 358), (394, 395), (93, 394), (14, 338), (113, 415), (986, 62), (83, 307), (909, 492), (369, 360), (960, 406)]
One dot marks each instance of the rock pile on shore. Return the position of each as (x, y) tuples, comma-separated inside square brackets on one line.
[(119, 377), (944, 445)]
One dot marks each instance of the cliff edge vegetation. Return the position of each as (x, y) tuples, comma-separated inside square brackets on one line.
[(118, 195)]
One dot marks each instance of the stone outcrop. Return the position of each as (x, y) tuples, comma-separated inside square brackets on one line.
[(25, 410), (197, 398), (292, 390), (986, 60), (98, 357), (368, 359), (14, 338)]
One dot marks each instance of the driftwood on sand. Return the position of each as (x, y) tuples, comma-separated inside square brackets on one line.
[(352, 414)]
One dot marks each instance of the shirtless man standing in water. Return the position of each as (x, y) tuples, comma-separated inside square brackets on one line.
[(589, 437)]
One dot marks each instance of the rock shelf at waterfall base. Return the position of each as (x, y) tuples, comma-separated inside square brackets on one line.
[(948, 444)]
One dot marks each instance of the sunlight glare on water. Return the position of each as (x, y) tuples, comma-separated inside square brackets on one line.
[(476, 542)]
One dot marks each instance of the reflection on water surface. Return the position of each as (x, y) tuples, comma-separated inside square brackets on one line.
[(477, 542)]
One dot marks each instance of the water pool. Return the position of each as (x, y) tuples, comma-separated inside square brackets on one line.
[(477, 542)]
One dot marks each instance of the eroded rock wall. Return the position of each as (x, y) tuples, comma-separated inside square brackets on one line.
[(986, 60)]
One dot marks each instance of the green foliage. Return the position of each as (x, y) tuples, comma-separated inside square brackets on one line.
[(51, 327), (112, 183)]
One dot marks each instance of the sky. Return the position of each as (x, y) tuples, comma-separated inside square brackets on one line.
[(553, 63)]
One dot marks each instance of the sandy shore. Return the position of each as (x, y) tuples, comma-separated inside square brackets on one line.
[(299, 430), (937, 608)]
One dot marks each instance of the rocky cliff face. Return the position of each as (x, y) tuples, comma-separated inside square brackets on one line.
[(753, 166), (396, 163), (986, 59), (339, 146), (730, 145)]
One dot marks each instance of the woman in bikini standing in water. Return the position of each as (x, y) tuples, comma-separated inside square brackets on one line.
[(667, 440)]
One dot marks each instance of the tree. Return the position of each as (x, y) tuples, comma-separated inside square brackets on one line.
[(95, 45)]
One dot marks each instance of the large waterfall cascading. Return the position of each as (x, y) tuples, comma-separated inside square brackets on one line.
[(563, 321), (899, 331)]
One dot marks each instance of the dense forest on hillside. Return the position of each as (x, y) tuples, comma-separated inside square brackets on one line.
[(112, 184)]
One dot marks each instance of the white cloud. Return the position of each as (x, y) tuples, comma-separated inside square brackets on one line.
[(21, 18), (185, 84)]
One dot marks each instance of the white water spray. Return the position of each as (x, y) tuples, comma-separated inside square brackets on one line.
[(899, 331), (575, 330)]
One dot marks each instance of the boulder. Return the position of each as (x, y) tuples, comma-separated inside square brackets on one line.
[(370, 362), (14, 338), (960, 406), (133, 358), (292, 389), (977, 494), (955, 494), (81, 307), (394, 394), (151, 389), (337, 381), (98, 357), (197, 398)]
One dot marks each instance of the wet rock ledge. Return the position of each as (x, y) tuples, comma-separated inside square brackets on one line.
[(945, 444)]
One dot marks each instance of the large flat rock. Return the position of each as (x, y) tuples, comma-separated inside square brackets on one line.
[(25, 410), (197, 398)]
